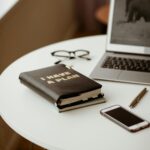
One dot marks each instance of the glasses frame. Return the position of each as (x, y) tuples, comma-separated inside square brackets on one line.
[(72, 54)]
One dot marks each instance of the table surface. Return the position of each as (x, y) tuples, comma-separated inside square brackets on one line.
[(36, 119)]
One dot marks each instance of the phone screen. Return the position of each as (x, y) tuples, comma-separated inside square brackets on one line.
[(124, 116)]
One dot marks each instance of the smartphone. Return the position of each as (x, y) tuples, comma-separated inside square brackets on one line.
[(124, 118)]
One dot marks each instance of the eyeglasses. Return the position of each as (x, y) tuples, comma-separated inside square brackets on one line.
[(80, 53)]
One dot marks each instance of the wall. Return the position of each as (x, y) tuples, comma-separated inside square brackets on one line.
[(6, 5), (32, 24)]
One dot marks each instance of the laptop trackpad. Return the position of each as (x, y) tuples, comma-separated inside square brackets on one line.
[(105, 74), (133, 76)]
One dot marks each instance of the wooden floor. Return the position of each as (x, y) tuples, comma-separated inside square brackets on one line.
[(10, 140)]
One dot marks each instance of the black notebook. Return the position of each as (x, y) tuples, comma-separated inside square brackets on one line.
[(65, 87)]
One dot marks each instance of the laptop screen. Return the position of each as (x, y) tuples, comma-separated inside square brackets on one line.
[(129, 25)]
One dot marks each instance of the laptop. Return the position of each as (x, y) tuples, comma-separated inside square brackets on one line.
[(127, 55)]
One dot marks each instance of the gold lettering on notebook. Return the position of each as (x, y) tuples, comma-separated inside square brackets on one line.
[(67, 78), (50, 82), (63, 76), (42, 78)]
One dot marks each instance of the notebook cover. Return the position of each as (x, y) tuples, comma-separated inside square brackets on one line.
[(58, 82)]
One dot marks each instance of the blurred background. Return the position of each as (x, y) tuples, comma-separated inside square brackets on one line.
[(26, 25)]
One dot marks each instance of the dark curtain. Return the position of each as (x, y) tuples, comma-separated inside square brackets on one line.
[(86, 14)]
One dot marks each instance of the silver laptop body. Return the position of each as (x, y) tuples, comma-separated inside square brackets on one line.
[(128, 37)]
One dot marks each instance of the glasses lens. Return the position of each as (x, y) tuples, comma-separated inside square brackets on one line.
[(61, 53), (81, 53)]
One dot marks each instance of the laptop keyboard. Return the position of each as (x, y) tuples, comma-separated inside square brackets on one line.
[(121, 63)]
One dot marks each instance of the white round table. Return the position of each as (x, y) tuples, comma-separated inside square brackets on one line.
[(36, 119)]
